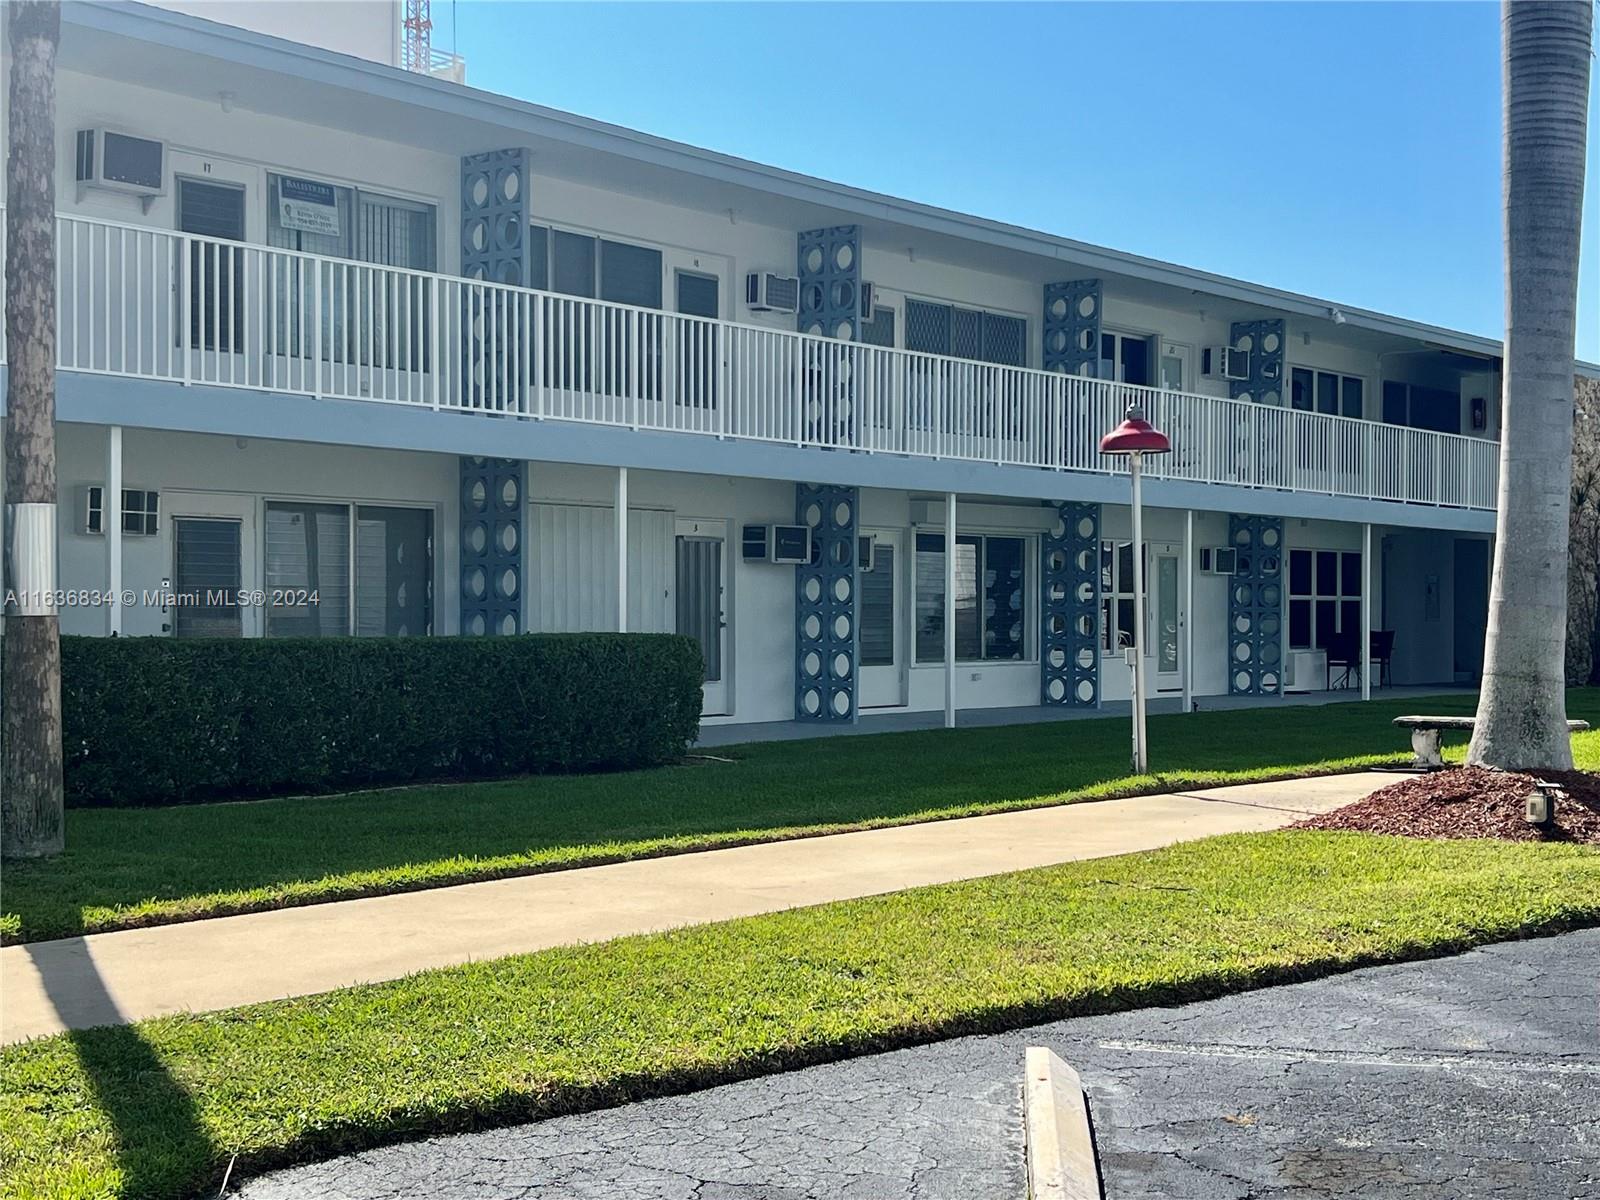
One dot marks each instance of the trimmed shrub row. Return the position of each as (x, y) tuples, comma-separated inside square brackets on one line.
[(160, 720)]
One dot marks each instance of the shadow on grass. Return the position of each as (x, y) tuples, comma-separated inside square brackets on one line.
[(154, 1120)]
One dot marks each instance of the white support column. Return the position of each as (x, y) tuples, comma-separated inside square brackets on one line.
[(1186, 625), (621, 526), (950, 611), (111, 524), (1366, 612)]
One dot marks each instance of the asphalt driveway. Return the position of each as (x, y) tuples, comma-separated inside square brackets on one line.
[(1475, 1076)]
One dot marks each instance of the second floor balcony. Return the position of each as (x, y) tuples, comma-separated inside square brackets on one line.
[(154, 304)]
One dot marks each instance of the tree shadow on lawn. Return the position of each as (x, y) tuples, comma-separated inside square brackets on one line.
[(154, 1121)]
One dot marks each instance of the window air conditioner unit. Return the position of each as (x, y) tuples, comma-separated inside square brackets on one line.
[(1218, 560), (866, 553), (782, 544), (869, 301), (140, 511), (120, 162), (767, 291), (1224, 362)]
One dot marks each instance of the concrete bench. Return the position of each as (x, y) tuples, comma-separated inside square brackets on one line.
[(1425, 736)]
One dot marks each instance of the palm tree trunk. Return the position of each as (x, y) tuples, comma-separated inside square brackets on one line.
[(31, 819), (1522, 709)]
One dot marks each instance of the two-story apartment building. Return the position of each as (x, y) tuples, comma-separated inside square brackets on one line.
[(350, 350)]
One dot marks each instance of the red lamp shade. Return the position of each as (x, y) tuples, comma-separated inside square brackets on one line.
[(1135, 434)]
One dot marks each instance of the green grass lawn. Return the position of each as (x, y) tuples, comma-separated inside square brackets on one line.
[(127, 867), (160, 1108)]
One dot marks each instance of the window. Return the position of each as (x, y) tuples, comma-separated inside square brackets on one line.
[(367, 316), (578, 264), (1324, 597), (1116, 594), (990, 600), (1326, 392), (364, 226), (1421, 407), (311, 574), (966, 333), (1125, 358), (880, 330)]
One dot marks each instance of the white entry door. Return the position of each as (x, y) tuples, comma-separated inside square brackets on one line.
[(883, 627), (701, 590), (1165, 661)]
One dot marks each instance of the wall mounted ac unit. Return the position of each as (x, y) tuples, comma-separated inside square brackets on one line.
[(1224, 362), (121, 162), (1218, 560), (782, 544), (767, 291), (140, 511)]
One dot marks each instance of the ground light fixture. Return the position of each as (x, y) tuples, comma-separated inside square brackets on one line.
[(1135, 438)]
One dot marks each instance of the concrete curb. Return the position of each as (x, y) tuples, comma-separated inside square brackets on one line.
[(1060, 1146)]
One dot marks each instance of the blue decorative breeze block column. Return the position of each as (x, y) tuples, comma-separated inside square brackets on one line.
[(492, 496), (825, 605), (494, 247), (829, 266), (1072, 327), (1264, 341), (494, 216), (1069, 640), (1255, 607)]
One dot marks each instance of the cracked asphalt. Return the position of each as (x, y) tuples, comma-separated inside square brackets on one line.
[(1475, 1076)]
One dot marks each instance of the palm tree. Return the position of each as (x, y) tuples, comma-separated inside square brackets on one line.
[(1522, 709), (30, 723)]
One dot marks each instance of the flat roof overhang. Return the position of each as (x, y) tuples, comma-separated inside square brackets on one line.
[(189, 55)]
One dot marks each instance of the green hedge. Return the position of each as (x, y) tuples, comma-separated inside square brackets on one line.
[(159, 720)]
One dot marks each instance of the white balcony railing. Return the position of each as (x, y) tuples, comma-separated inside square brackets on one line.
[(154, 304)]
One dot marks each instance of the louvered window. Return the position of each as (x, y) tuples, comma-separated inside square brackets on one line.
[(966, 333)]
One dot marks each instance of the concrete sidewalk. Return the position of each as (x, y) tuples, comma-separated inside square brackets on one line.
[(111, 978)]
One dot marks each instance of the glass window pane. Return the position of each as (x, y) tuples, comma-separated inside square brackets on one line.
[(927, 327), (1326, 616), (1003, 597), (1351, 397), (877, 610), (1300, 389), (1108, 624), (572, 265), (880, 330), (1327, 573), (1327, 393), (1300, 624), (394, 232), (394, 572), (539, 257), (1107, 580), (1125, 568), (930, 597), (969, 630), (308, 560), (1124, 622), (1350, 620), (966, 333), (1135, 360), (630, 274), (1300, 572), (1350, 573)]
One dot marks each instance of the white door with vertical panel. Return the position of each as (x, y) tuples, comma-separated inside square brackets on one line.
[(701, 590), (1165, 659), (213, 556), (881, 645)]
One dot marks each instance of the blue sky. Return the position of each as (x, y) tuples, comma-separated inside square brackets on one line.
[(1376, 126)]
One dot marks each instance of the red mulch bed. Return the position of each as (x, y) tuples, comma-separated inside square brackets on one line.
[(1472, 802)]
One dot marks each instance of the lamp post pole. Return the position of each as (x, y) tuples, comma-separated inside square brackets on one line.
[(1136, 437), (1141, 753)]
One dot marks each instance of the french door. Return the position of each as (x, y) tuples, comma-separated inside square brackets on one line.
[(701, 589)]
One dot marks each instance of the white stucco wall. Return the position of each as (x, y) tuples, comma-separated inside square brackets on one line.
[(368, 29)]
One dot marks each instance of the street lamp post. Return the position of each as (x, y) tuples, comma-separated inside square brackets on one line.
[(1136, 437)]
